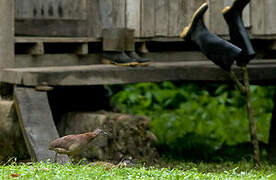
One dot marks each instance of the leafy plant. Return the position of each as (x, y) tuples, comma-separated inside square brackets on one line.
[(216, 112), (178, 170)]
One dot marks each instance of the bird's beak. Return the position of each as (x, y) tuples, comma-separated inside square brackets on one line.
[(105, 133)]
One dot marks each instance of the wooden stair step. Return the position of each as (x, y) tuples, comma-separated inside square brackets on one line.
[(37, 124), (261, 71)]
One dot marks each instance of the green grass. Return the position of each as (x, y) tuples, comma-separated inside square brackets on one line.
[(242, 170)]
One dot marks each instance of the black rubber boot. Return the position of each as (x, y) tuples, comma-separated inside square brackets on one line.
[(216, 49), (130, 48), (118, 58), (238, 33), (114, 46), (141, 60)]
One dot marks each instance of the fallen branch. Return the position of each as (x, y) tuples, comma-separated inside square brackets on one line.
[(250, 114)]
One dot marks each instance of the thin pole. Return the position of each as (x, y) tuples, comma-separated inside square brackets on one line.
[(250, 114)]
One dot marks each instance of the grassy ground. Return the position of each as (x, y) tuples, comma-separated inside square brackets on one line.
[(184, 170)]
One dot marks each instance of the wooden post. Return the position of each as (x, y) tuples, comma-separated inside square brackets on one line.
[(272, 135), (6, 34)]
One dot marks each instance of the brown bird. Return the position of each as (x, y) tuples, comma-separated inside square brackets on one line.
[(73, 144)]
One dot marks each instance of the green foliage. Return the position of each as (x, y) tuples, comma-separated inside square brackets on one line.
[(183, 115), (49, 171)]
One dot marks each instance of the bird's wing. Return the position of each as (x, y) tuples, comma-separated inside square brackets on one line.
[(63, 142)]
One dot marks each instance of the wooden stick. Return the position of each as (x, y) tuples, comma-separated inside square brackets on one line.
[(250, 114), (237, 81), (272, 134)]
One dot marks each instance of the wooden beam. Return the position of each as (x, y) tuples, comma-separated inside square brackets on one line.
[(171, 56), (27, 39), (156, 72), (157, 38), (6, 33), (51, 27), (24, 60), (37, 124)]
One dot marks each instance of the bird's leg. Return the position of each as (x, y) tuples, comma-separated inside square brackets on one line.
[(55, 158), (70, 159)]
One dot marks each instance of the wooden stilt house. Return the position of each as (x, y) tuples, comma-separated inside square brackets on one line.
[(57, 43)]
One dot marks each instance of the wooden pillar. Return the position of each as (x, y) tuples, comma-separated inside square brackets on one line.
[(6, 41), (6, 34), (272, 135)]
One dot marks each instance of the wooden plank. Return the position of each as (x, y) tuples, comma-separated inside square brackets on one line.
[(65, 18), (180, 14), (246, 12), (263, 22), (56, 60), (217, 23), (106, 10), (147, 18), (263, 13), (58, 28), (133, 15), (173, 56), (162, 18), (176, 17), (25, 39), (109, 74), (215, 16), (6, 34), (22, 60), (119, 15), (37, 124), (246, 16), (51, 9), (112, 13), (270, 15), (258, 11), (28, 39), (94, 25)]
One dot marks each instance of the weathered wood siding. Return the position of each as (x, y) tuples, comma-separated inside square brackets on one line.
[(263, 17), (149, 18), (216, 22), (50, 9), (133, 8)]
